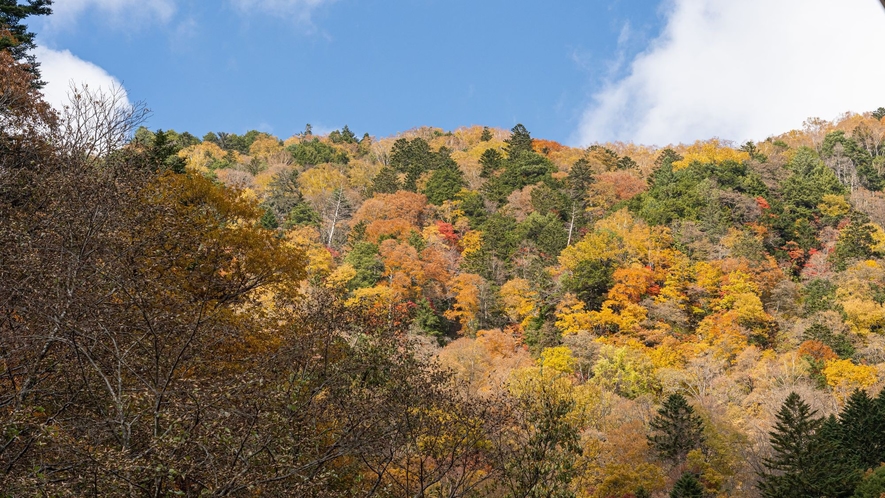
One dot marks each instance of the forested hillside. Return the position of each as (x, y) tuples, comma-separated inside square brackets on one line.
[(440, 313)]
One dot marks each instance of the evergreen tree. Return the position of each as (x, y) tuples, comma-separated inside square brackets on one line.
[(369, 268), (809, 182), (212, 137), (21, 42), (163, 154), (579, 179), (551, 200), (500, 236), (525, 168), (520, 141), (427, 320), (491, 161), (820, 295), (872, 485), (862, 430), (838, 469), (313, 152), (805, 463), (546, 232), (143, 136), (666, 158), (687, 487), (268, 220), (627, 162), (283, 193), (837, 143), (879, 113), (345, 136), (444, 184), (855, 242), (412, 157), (591, 281), (385, 182), (303, 214), (791, 441), (676, 429), (486, 134), (750, 148), (185, 140)]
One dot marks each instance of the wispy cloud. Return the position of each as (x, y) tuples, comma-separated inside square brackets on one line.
[(298, 10), (119, 13), (744, 70)]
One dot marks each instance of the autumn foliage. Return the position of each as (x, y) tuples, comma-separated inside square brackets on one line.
[(466, 313)]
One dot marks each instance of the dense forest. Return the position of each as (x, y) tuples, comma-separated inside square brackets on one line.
[(440, 313)]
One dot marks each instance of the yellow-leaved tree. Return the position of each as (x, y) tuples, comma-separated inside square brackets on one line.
[(844, 376), (709, 151), (521, 301), (858, 286), (465, 289)]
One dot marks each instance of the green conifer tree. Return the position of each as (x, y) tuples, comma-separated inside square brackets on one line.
[(345, 136), (687, 487), (412, 157), (303, 214), (666, 158), (490, 162), (862, 430), (579, 179), (268, 220), (520, 141), (444, 184), (872, 485), (365, 260), (806, 461), (676, 429), (163, 154), (855, 242), (385, 182)]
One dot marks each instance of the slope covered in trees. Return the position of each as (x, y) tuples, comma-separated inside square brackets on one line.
[(467, 313)]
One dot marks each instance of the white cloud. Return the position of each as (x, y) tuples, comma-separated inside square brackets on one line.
[(745, 69), (300, 10), (129, 13), (60, 68)]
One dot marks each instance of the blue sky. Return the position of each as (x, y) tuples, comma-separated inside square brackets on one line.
[(576, 72), (380, 67)]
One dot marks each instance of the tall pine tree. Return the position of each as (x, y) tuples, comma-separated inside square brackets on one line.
[(676, 429), (385, 182), (862, 430), (520, 141), (806, 461), (687, 487), (855, 242), (444, 184)]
